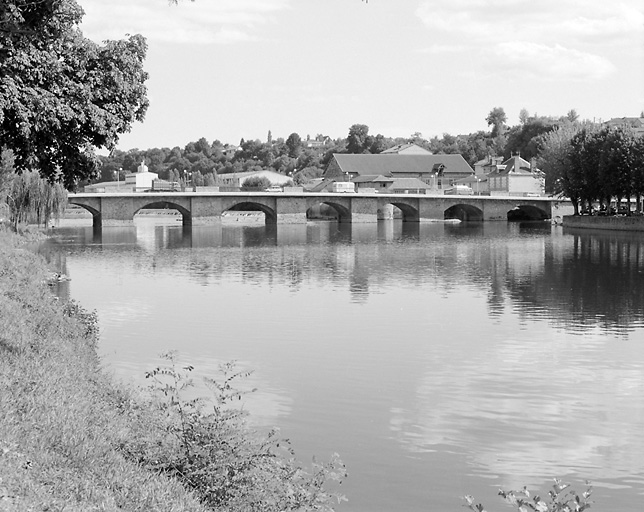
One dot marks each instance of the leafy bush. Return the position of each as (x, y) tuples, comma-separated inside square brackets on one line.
[(256, 183), (560, 499), (214, 452)]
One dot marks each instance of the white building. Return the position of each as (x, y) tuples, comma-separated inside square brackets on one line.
[(140, 180)]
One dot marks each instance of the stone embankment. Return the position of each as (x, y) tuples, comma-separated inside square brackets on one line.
[(612, 223)]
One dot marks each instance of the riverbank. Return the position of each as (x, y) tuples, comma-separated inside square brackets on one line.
[(611, 223), (73, 439), (66, 431)]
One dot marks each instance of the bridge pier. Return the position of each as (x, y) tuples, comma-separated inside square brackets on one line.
[(202, 221), (291, 212), (364, 210), (113, 222), (431, 211), (290, 218)]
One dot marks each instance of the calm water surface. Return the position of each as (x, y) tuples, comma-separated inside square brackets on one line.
[(438, 360)]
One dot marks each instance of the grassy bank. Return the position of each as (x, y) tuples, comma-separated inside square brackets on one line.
[(64, 427), (73, 440)]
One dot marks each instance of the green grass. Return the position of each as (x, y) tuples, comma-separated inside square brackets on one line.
[(68, 434)]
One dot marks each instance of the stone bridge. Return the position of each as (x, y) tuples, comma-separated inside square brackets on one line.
[(285, 207)]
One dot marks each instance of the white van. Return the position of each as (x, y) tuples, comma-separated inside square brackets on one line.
[(461, 190), (343, 186)]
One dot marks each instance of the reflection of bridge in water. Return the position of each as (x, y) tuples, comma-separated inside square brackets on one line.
[(199, 208)]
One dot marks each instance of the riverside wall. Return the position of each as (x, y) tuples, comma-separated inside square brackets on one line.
[(624, 223)]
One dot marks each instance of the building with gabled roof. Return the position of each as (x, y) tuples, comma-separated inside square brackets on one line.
[(635, 123), (438, 171), (373, 181), (487, 165), (408, 186), (516, 176), (408, 148)]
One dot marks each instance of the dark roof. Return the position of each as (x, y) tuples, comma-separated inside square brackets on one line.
[(390, 164), (514, 165)]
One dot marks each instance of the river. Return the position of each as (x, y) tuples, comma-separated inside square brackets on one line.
[(437, 359)]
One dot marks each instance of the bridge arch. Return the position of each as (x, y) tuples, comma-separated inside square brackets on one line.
[(167, 205), (96, 214), (527, 212), (252, 206), (464, 212), (409, 212), (86, 207), (344, 214)]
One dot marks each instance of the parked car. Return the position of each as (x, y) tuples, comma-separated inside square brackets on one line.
[(274, 188)]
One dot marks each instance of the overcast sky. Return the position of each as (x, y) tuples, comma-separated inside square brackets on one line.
[(227, 69)]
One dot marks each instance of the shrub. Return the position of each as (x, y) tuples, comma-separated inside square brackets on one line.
[(256, 183), (560, 499), (215, 453)]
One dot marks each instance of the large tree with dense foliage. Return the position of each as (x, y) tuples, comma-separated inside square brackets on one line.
[(496, 119), (589, 164), (523, 139), (62, 95), (358, 139)]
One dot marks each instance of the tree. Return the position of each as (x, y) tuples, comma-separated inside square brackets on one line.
[(524, 115), (572, 116), (496, 118), (523, 139), (256, 183), (210, 179), (306, 175), (617, 162), (33, 199), (358, 139), (554, 159), (62, 95), (294, 145)]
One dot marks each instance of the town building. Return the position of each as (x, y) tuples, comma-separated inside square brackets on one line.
[(437, 171), (408, 148), (138, 181), (635, 123), (516, 176), (390, 185), (141, 180)]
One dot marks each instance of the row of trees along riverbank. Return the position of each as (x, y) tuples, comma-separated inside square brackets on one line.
[(594, 165), (72, 439)]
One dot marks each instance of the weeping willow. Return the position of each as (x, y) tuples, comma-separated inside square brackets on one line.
[(34, 200)]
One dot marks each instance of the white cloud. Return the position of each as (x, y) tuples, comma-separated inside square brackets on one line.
[(551, 62), (615, 22), (224, 21), (550, 38)]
